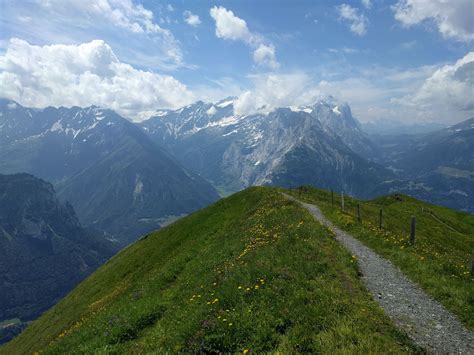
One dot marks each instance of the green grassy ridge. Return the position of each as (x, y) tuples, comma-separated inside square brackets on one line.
[(253, 272), (440, 259)]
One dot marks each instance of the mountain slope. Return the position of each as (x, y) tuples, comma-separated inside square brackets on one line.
[(437, 167), (252, 272), (135, 190), (234, 151), (44, 251), (451, 147), (118, 181), (318, 164)]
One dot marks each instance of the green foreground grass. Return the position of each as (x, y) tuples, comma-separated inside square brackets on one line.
[(252, 273), (440, 259)]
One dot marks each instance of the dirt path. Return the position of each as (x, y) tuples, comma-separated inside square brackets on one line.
[(426, 321)]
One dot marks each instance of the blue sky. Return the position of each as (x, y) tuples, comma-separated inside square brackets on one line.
[(407, 60)]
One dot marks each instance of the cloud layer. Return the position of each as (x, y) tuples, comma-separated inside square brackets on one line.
[(454, 19), (449, 89), (83, 75), (128, 26), (442, 93), (276, 90)]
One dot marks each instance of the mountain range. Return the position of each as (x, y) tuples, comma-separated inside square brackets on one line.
[(125, 179), (119, 182), (321, 145)]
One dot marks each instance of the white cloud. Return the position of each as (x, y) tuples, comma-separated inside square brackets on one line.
[(127, 25), (367, 3), (191, 19), (434, 93), (122, 13), (454, 19), (276, 90), (358, 22), (368, 98), (83, 75), (449, 91), (265, 55), (231, 27)]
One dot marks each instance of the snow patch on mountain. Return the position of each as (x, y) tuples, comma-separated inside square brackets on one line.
[(137, 192), (57, 126), (301, 109), (212, 110), (225, 103)]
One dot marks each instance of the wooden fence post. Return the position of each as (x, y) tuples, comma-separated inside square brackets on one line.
[(342, 201), (413, 230), (381, 218), (472, 264), (358, 213)]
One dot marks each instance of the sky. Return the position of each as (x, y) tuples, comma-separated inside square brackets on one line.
[(401, 60)]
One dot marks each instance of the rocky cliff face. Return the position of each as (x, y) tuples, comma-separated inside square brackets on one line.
[(44, 251), (324, 142)]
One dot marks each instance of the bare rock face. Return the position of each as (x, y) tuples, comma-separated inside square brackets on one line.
[(321, 145), (44, 251)]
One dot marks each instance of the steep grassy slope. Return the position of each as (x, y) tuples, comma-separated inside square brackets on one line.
[(440, 259), (252, 272)]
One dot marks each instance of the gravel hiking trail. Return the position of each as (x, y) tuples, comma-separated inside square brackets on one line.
[(426, 321)]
